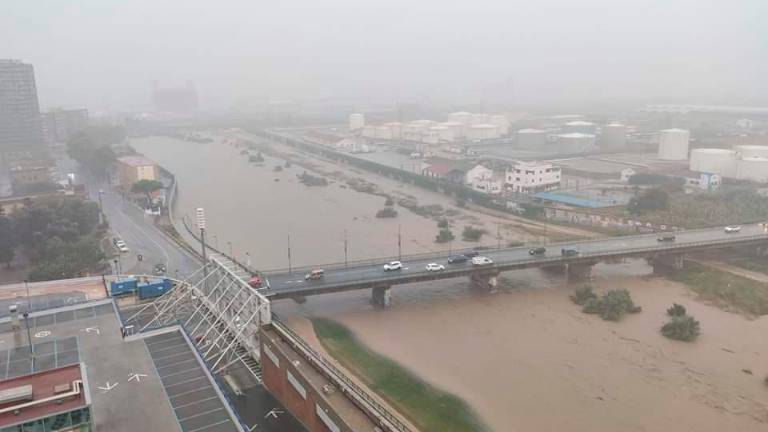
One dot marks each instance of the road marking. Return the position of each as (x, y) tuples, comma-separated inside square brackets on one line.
[(94, 329), (107, 387), (274, 412), (135, 376), (42, 334)]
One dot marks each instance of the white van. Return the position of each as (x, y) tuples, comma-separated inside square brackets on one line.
[(481, 260)]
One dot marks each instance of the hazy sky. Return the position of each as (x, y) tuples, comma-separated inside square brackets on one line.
[(105, 54)]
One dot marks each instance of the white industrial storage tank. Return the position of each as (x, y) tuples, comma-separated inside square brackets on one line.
[(462, 117), (613, 136), (482, 132), (753, 169), (673, 144), (748, 151), (395, 129), (531, 139), (502, 122), (457, 129), (575, 142), (580, 126), (714, 161), (356, 121), (444, 133)]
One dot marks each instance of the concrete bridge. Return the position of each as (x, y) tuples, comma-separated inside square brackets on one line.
[(662, 255)]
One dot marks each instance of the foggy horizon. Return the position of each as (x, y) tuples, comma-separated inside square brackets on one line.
[(106, 55)]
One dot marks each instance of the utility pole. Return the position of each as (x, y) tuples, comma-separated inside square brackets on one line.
[(231, 255), (29, 301), (399, 244), (289, 253), (345, 248)]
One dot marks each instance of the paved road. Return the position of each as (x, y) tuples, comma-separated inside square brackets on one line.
[(338, 278)]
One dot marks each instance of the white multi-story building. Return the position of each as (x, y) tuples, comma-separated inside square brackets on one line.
[(532, 177)]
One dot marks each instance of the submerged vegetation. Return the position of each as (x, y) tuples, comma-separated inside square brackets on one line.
[(725, 290), (611, 306), (429, 408)]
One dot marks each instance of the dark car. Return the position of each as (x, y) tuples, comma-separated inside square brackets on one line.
[(537, 251), (472, 254), (457, 259), (666, 238), (160, 269), (569, 251)]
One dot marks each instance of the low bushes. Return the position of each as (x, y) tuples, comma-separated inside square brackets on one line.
[(682, 328), (611, 306)]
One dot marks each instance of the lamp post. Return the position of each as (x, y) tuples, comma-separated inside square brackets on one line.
[(289, 253), (200, 218), (345, 248), (231, 255), (29, 338), (399, 244), (29, 301)]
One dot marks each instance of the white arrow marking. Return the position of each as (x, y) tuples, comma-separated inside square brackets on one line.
[(136, 376), (42, 334), (92, 330), (108, 387), (252, 428), (274, 412)]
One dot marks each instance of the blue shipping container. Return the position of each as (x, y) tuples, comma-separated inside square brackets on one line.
[(124, 286), (154, 288)]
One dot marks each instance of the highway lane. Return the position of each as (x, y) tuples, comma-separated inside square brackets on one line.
[(334, 275)]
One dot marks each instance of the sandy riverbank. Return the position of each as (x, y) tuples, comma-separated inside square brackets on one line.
[(527, 359)]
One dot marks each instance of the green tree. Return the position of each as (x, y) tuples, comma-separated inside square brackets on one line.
[(676, 310), (582, 295), (92, 147), (682, 328), (443, 223), (612, 305), (471, 233), (146, 187), (650, 200), (444, 235)]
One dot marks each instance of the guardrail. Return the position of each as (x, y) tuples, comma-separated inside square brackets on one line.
[(737, 238), (358, 395)]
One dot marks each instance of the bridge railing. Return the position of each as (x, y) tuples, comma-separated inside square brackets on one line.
[(737, 238), (357, 394)]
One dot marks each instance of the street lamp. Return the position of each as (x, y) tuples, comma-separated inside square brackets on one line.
[(29, 301), (289, 253), (29, 338), (231, 255), (345, 248), (399, 244)]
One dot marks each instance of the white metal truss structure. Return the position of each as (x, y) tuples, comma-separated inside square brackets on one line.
[(219, 310)]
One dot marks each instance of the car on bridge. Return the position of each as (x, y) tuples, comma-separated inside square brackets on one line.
[(666, 238), (569, 251), (472, 254), (537, 251), (159, 269), (732, 229), (435, 267), (481, 260), (316, 274), (393, 265), (458, 259)]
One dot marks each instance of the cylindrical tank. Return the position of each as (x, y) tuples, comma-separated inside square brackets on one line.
[(502, 122), (457, 129), (747, 151), (356, 121), (613, 137), (753, 169), (531, 139), (673, 144), (575, 142), (444, 133), (482, 132), (462, 117), (714, 161), (395, 129), (580, 126)]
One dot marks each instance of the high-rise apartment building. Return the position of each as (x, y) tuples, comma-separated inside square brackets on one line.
[(21, 131), (60, 124)]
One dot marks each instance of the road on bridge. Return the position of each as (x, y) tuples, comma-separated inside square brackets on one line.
[(339, 278)]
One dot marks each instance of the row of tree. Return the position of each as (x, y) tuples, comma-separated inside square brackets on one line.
[(59, 236), (92, 147)]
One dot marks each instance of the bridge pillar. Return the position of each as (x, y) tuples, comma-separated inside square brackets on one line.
[(665, 263), (578, 272), (381, 296), (487, 282)]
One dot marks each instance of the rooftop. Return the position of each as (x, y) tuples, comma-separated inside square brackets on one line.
[(136, 161)]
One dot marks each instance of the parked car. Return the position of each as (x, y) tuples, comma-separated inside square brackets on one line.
[(472, 254), (481, 260), (316, 274), (255, 281), (457, 259), (160, 270), (732, 229), (393, 265), (123, 248), (569, 251), (666, 238), (115, 240), (537, 251), (435, 267)]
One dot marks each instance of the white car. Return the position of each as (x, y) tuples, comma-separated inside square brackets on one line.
[(123, 248), (393, 265), (732, 229), (435, 267), (481, 260)]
